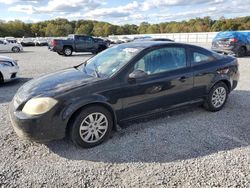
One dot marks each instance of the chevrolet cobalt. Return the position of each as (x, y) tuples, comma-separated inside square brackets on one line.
[(121, 83)]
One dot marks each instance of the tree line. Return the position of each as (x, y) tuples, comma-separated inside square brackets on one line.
[(62, 27)]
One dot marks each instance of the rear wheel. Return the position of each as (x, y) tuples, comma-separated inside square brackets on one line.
[(217, 97), (241, 52), (15, 49), (91, 127), (67, 51)]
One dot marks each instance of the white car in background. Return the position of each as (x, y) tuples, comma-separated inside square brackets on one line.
[(6, 46), (8, 69), (41, 42)]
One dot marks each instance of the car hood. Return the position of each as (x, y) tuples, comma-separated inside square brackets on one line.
[(54, 83), (5, 58)]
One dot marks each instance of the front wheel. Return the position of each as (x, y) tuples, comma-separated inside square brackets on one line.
[(91, 127), (217, 97), (15, 49)]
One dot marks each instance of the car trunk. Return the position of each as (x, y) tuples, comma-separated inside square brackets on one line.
[(224, 43)]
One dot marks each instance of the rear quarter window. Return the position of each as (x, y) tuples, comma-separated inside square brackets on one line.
[(199, 57)]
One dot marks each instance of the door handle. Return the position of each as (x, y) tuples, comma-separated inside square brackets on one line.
[(182, 79)]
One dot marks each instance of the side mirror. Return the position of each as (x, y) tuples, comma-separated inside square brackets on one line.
[(137, 74)]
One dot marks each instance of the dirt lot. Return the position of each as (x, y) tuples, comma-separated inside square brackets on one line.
[(188, 148)]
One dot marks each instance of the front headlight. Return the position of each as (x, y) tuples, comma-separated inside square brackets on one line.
[(38, 106)]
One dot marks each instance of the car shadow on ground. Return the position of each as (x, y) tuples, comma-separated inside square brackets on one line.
[(82, 54), (183, 134), (10, 88), (24, 51)]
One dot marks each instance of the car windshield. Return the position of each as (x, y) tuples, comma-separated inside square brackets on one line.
[(108, 62)]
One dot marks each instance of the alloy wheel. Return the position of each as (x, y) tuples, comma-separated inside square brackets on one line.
[(219, 97), (93, 127), (16, 49), (68, 51)]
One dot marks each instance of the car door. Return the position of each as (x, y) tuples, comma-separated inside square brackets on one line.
[(168, 83), (84, 44), (204, 69)]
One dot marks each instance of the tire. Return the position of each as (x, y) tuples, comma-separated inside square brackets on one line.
[(67, 51), (217, 97), (241, 52), (15, 49), (83, 132)]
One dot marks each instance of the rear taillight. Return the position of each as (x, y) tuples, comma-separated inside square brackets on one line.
[(53, 43), (233, 40)]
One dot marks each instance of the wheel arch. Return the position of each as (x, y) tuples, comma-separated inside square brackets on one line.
[(79, 109), (225, 81), (15, 47)]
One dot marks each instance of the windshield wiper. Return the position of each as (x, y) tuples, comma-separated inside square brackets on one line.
[(96, 71), (84, 65)]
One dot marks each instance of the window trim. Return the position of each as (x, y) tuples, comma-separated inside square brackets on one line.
[(161, 47)]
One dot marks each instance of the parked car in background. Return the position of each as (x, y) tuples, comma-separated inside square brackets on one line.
[(8, 69), (124, 82), (41, 42), (140, 38), (27, 42), (102, 41), (126, 39), (115, 40), (78, 43), (232, 42), (106, 39), (5, 46)]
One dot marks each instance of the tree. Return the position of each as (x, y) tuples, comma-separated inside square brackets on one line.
[(153, 29), (142, 29), (85, 28), (62, 27)]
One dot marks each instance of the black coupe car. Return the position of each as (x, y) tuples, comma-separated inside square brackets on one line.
[(124, 82)]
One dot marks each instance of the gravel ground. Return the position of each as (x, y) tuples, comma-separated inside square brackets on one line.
[(186, 148)]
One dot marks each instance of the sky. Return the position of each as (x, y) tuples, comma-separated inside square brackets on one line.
[(121, 11)]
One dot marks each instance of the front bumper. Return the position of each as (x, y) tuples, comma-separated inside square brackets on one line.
[(10, 74), (42, 128)]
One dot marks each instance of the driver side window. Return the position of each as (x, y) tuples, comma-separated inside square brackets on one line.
[(162, 60)]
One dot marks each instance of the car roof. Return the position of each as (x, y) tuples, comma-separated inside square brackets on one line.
[(149, 44)]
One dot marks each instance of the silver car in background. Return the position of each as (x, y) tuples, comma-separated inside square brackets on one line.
[(6, 46), (8, 69)]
